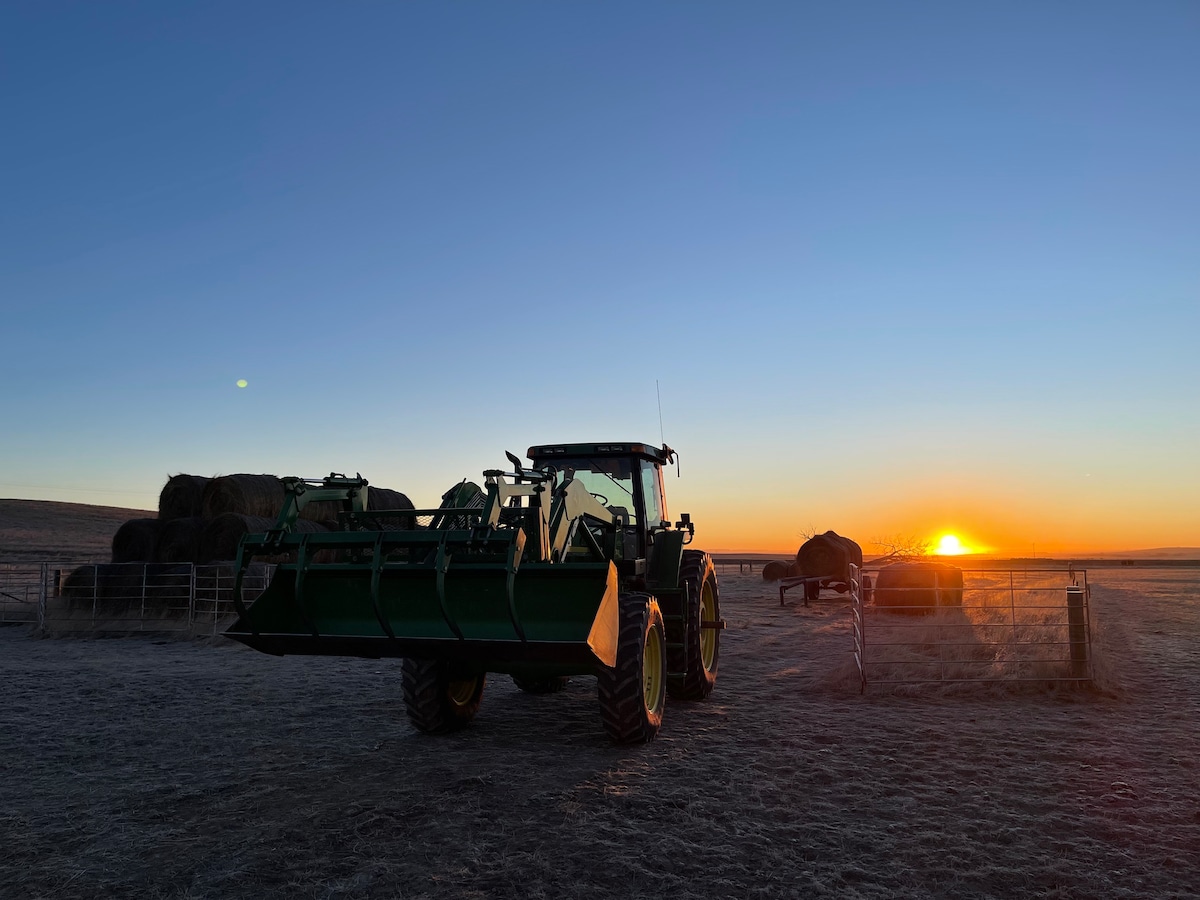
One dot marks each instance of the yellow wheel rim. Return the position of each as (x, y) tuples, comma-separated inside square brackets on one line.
[(462, 690), (708, 636), (653, 678)]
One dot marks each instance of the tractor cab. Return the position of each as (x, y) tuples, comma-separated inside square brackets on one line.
[(627, 479)]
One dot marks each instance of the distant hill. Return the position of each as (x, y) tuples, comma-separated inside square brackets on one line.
[(1157, 553), (45, 531)]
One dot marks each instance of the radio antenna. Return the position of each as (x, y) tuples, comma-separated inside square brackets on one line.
[(661, 436)]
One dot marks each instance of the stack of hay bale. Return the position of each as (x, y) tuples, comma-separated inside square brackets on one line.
[(200, 521)]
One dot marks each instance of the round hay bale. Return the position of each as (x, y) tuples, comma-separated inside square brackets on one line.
[(179, 540), (243, 495), (79, 587), (221, 536), (136, 541), (181, 497), (918, 587), (828, 555), (775, 569), (382, 498)]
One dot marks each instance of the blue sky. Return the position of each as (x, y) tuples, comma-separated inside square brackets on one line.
[(888, 265)]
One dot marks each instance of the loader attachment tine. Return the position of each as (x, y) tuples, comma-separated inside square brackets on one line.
[(302, 562), (238, 604), (376, 568), (515, 549), (441, 564)]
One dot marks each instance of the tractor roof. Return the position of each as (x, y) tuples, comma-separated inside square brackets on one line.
[(660, 455)]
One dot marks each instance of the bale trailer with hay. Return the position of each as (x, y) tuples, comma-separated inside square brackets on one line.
[(567, 567), (826, 560)]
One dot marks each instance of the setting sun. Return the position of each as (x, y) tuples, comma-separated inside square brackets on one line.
[(950, 545)]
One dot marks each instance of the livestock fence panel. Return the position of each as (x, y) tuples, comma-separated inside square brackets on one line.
[(180, 598), (1001, 626), (23, 588)]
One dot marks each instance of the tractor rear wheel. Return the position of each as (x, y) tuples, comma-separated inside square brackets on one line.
[(438, 699), (702, 646), (633, 692), (550, 684)]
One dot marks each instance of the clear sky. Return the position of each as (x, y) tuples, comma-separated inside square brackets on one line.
[(894, 268)]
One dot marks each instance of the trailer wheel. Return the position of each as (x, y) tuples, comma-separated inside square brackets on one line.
[(439, 700), (551, 684), (633, 692), (701, 645)]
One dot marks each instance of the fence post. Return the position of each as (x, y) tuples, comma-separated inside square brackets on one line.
[(1077, 632), (43, 592)]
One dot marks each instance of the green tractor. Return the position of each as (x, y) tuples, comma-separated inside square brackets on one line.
[(567, 567)]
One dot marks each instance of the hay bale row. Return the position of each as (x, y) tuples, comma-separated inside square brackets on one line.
[(263, 496), (244, 495), (194, 521), (181, 497), (127, 588)]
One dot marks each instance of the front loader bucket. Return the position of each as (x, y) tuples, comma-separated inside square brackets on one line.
[(487, 610)]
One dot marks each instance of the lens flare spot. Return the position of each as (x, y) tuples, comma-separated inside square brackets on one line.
[(242, 382)]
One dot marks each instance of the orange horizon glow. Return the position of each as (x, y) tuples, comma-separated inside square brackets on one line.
[(782, 537), (1015, 525)]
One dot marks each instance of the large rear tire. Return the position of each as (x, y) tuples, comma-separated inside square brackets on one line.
[(633, 692), (702, 645), (549, 684), (438, 699)]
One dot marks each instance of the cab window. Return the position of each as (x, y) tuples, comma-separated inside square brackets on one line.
[(611, 480), (656, 509)]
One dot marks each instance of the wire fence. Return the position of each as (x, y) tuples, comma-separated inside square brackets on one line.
[(990, 626), (131, 597)]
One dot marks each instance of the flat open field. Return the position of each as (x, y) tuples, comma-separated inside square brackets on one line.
[(152, 768)]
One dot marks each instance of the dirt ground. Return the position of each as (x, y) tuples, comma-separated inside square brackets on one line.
[(158, 768)]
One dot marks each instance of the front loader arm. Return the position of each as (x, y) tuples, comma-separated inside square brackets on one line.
[(572, 503)]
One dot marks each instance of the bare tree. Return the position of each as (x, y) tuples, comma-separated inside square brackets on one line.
[(900, 548), (807, 534)]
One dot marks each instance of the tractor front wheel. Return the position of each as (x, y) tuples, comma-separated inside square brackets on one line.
[(702, 642), (633, 692), (438, 699)]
